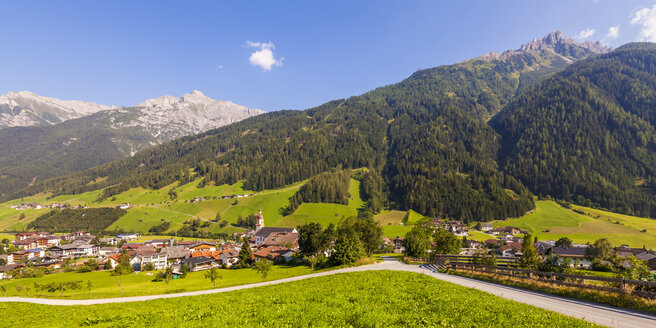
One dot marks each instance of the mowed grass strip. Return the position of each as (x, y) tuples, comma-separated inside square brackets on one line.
[(139, 284), (362, 299)]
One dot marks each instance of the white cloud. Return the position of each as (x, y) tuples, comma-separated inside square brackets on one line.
[(588, 32), (613, 32), (264, 57), (646, 18), (220, 67)]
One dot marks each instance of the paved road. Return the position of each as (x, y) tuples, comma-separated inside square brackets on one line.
[(599, 314)]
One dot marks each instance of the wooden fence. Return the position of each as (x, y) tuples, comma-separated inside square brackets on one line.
[(448, 259), (508, 267), (640, 288)]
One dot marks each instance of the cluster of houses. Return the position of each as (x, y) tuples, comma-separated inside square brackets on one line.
[(237, 196), (271, 244), (507, 243), (37, 206)]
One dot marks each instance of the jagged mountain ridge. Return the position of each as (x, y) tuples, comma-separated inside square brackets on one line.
[(556, 43), (32, 153), (25, 108)]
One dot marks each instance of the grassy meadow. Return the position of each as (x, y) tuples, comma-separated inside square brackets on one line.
[(362, 299), (138, 284), (550, 220)]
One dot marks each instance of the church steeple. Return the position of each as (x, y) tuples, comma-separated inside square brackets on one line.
[(260, 222)]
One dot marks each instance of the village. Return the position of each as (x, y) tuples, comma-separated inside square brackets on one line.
[(52, 252), (73, 251)]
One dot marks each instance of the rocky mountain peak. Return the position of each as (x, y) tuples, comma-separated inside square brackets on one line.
[(554, 42)]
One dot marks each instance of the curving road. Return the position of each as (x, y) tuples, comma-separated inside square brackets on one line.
[(597, 313)]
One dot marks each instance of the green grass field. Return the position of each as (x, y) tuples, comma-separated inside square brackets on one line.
[(106, 286), (363, 299), (551, 221)]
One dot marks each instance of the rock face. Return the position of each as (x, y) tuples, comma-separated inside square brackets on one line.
[(28, 109), (167, 117), (556, 43), (163, 118)]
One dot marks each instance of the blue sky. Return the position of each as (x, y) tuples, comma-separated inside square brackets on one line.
[(123, 52)]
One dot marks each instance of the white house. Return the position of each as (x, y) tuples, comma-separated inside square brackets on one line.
[(158, 260)]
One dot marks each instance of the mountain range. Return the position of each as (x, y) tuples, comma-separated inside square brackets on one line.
[(474, 140), (46, 137)]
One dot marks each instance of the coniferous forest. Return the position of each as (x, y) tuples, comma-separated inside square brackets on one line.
[(475, 141)]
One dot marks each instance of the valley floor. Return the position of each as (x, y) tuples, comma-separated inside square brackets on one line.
[(407, 300)]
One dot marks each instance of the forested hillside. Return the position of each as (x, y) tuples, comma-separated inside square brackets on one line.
[(588, 134), (424, 142)]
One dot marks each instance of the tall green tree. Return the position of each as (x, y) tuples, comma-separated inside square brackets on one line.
[(529, 258), (417, 242), (348, 247), (213, 274), (245, 254), (263, 268), (446, 242), (601, 249), (371, 234)]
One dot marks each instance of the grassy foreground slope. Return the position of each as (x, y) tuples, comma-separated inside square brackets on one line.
[(106, 286), (550, 220), (363, 299)]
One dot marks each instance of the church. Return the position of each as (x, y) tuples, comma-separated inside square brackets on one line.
[(263, 233)]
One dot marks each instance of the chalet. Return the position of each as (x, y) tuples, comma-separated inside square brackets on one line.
[(159, 243), (106, 251), (265, 232), (108, 241), (200, 263), (273, 254), (486, 226), (283, 239), (50, 264), (130, 236), (507, 230), (125, 206), (158, 260), (5, 269), (175, 254), (203, 246), (474, 244), (133, 246), (510, 249), (626, 251), (30, 243), (576, 255), (398, 245), (648, 258), (492, 242), (72, 250), (29, 235), (229, 258), (7, 258), (112, 260), (216, 255)]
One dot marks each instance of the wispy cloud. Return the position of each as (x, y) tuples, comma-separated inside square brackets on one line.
[(646, 18), (613, 32), (264, 57), (588, 32)]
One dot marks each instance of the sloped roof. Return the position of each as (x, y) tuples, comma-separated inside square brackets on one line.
[(266, 231)]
